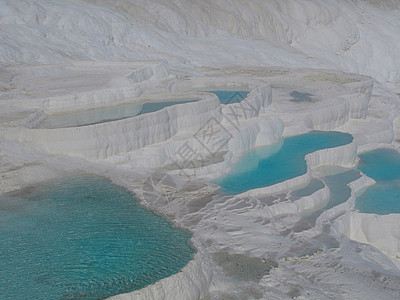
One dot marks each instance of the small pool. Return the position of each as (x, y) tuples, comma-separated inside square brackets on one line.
[(337, 179), (269, 165), (83, 238), (309, 189), (338, 185), (106, 114), (229, 97), (301, 97), (382, 165)]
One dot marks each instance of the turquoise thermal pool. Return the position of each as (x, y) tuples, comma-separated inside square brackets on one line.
[(229, 97), (382, 165), (106, 114), (83, 237), (269, 165)]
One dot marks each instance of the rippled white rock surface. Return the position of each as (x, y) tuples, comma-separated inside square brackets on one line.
[(308, 65)]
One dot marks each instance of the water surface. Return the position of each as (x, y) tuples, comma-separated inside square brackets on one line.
[(105, 114), (338, 186), (382, 165), (82, 237), (337, 179), (309, 189), (229, 97), (301, 97), (269, 165)]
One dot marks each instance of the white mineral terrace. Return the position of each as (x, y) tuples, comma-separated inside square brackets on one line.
[(150, 145), (302, 67)]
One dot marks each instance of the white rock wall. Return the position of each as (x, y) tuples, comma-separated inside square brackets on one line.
[(306, 204), (102, 140), (380, 231)]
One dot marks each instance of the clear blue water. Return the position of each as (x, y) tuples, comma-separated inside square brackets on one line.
[(229, 97), (273, 164), (83, 238), (383, 165), (106, 114)]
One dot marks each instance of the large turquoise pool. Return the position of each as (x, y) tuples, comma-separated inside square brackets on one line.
[(83, 238), (269, 165), (382, 165), (106, 114)]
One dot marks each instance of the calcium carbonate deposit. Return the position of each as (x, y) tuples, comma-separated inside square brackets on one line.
[(171, 100)]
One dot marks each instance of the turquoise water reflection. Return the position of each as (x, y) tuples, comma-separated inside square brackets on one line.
[(229, 97)]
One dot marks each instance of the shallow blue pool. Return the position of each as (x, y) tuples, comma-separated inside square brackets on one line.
[(269, 165), (83, 238), (338, 186), (106, 114), (313, 186), (337, 179), (229, 97), (383, 165)]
